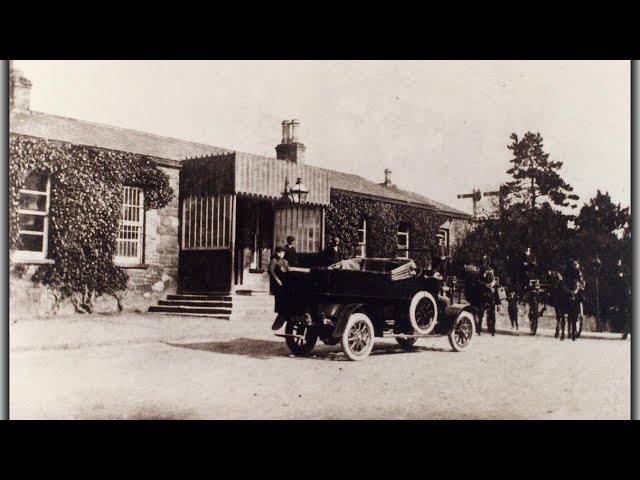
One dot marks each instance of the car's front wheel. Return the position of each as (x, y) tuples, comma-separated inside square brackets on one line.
[(358, 336), (423, 312)]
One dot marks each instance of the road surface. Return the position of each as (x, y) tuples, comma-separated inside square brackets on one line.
[(253, 376)]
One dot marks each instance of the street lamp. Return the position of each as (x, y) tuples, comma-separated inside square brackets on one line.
[(297, 193)]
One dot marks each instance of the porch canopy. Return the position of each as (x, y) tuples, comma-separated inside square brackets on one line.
[(244, 174)]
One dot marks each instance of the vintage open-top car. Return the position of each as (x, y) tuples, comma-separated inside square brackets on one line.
[(358, 299)]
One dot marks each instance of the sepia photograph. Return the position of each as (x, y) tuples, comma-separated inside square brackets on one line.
[(319, 239)]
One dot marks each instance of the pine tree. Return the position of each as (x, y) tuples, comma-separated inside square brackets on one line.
[(535, 177)]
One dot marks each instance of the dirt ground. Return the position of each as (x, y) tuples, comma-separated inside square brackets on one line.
[(245, 375)]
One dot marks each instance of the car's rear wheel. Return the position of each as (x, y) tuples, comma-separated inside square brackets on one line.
[(358, 336), (423, 312), (463, 330), (302, 338), (406, 343)]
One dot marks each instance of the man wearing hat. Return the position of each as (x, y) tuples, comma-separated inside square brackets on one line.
[(290, 254), (439, 257), (332, 254)]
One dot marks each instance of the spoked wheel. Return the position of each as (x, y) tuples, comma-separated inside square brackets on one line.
[(305, 337), (464, 328), (406, 343), (357, 338), (423, 312)]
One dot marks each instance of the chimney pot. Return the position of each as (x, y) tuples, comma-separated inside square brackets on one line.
[(19, 89), (290, 148), (295, 124), (286, 126), (387, 177)]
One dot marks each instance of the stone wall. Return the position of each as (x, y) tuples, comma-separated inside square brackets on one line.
[(159, 273), (147, 283)]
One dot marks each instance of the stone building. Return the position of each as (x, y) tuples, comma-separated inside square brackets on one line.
[(229, 211)]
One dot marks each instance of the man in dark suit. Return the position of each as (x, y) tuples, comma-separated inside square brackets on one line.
[(277, 267), (332, 254), (290, 254), (440, 258)]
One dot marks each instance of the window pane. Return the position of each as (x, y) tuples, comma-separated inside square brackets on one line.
[(36, 181), (29, 201), (360, 236), (31, 243), (33, 223)]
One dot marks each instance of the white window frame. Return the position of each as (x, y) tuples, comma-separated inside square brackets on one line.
[(27, 255), (361, 247), (403, 250), (140, 224)]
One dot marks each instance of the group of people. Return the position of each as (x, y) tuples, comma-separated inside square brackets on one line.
[(525, 286), (283, 259)]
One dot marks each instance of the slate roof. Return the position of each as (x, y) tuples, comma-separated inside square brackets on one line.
[(355, 183), (80, 132)]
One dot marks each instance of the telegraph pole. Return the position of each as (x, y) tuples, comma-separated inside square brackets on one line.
[(475, 197)]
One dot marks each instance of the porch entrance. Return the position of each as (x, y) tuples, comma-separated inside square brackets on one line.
[(253, 244)]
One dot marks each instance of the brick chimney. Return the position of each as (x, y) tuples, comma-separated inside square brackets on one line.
[(290, 148), (387, 178), (19, 89)]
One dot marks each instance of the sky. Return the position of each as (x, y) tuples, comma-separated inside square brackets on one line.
[(442, 127)]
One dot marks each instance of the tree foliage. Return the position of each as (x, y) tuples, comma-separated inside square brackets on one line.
[(533, 215), (86, 201), (535, 176)]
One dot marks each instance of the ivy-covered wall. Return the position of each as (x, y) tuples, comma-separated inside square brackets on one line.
[(86, 201), (345, 214)]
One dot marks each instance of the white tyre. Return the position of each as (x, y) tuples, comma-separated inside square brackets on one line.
[(423, 312), (463, 330), (358, 336)]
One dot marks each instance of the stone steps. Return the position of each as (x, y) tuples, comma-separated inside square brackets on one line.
[(254, 307)]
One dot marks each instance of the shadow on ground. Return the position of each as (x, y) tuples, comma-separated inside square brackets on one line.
[(265, 349)]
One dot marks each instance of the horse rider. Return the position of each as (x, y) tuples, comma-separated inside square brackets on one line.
[(440, 257), (573, 276), (528, 267), (488, 282)]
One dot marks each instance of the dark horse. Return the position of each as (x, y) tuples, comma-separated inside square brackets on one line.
[(481, 296), (564, 297)]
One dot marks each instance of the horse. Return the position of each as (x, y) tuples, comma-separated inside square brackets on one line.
[(481, 297), (564, 298), (555, 299)]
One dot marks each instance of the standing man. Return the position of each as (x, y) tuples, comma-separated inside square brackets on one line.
[(277, 267), (290, 254), (512, 301), (440, 258), (622, 289), (332, 254)]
